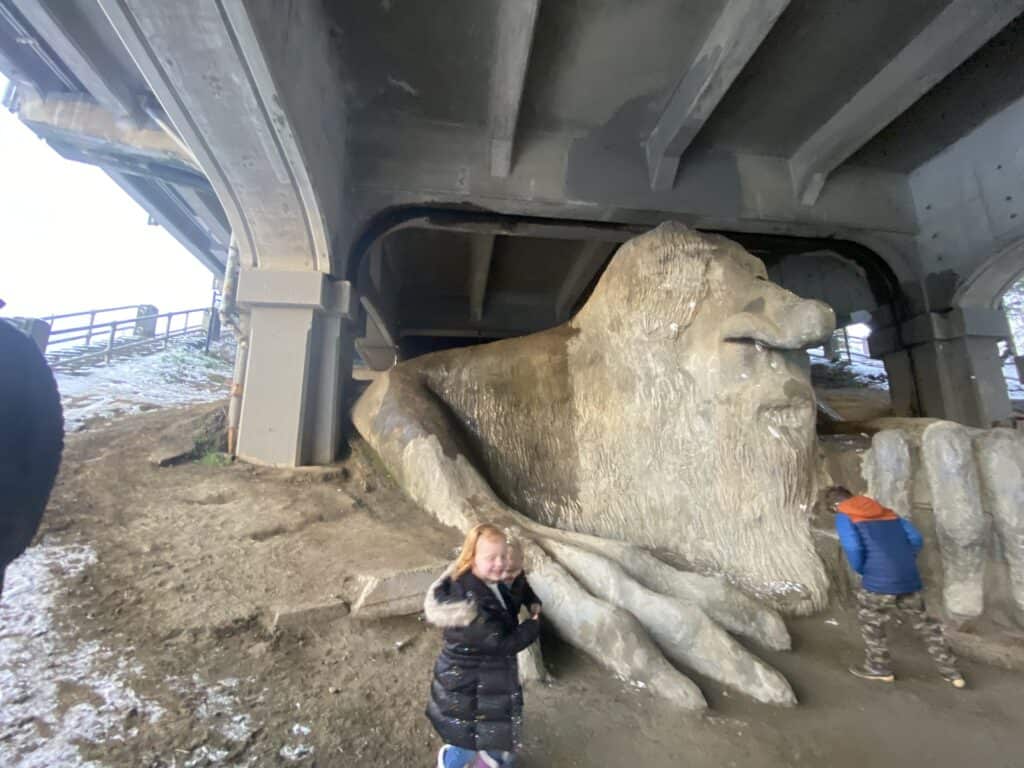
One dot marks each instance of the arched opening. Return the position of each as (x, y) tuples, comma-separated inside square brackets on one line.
[(433, 279)]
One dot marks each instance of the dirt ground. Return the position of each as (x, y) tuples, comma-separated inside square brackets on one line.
[(134, 634)]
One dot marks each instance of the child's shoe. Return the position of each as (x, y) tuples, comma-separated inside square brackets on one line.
[(869, 674), (443, 760)]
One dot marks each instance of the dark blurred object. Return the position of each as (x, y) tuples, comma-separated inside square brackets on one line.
[(31, 440)]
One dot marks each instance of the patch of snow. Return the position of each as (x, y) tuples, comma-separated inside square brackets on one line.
[(182, 374), (220, 704), (298, 747), (297, 752), (57, 691), (205, 755)]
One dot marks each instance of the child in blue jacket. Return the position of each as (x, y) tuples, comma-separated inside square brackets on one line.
[(882, 547)]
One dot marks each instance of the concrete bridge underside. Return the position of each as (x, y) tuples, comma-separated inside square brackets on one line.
[(401, 175)]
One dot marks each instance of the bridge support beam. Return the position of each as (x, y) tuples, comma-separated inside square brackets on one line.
[(949, 363), (300, 361)]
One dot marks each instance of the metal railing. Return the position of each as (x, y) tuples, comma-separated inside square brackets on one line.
[(854, 350), (119, 335)]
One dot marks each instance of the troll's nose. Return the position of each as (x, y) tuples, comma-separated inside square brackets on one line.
[(787, 324)]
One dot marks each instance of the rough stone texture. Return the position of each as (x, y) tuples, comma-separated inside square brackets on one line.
[(959, 521), (1005, 651), (957, 478), (635, 422), (397, 593), (531, 665), (205, 433), (1000, 455), (294, 617), (887, 469)]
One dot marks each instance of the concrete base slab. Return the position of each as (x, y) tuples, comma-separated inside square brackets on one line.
[(294, 617), (394, 593), (203, 433)]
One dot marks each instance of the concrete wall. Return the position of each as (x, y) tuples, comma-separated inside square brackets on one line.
[(970, 205), (826, 276)]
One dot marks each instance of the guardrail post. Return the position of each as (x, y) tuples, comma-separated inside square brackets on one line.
[(145, 321), (167, 330), (110, 341), (211, 320), (92, 322), (36, 329)]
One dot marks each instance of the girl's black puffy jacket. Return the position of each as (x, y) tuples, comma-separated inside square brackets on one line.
[(475, 698)]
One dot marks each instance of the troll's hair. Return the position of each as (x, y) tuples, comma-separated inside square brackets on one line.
[(477, 532)]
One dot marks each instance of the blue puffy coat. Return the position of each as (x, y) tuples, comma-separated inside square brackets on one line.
[(880, 545)]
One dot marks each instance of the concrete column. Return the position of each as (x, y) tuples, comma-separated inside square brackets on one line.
[(300, 362), (899, 369), (950, 359)]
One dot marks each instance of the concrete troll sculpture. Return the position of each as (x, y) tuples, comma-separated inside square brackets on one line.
[(965, 489), (656, 455)]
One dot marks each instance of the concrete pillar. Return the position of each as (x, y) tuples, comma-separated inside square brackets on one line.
[(833, 348), (951, 361), (899, 369), (376, 347), (300, 361)]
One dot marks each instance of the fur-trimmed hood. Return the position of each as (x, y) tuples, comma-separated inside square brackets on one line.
[(446, 604)]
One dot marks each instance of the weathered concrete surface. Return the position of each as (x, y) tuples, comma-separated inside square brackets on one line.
[(1000, 456), (300, 355), (394, 593), (887, 469), (88, 121), (632, 422), (531, 665), (296, 617), (959, 520), (683, 632), (1006, 651), (205, 433)]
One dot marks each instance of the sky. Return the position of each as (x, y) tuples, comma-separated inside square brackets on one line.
[(71, 239)]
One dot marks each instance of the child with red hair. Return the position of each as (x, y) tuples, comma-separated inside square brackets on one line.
[(476, 702)]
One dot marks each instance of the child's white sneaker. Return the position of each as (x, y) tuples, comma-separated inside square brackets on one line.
[(871, 674)]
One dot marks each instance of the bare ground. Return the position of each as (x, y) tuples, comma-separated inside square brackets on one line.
[(134, 634)]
